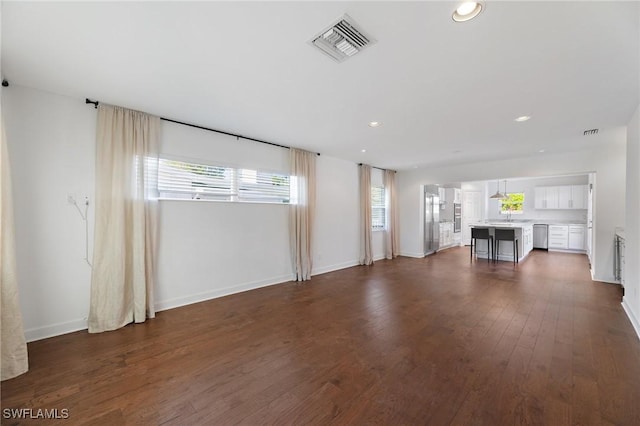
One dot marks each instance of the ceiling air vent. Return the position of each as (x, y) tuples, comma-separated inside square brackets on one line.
[(590, 132), (342, 40)]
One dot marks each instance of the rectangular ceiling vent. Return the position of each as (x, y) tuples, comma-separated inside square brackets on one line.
[(590, 132), (342, 40)]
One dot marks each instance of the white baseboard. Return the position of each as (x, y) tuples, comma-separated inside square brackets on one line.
[(632, 317), (382, 257), (604, 281), (568, 251), (47, 331), (334, 267), (163, 305), (416, 255), (40, 333)]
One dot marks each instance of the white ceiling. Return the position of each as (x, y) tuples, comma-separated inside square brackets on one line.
[(437, 86)]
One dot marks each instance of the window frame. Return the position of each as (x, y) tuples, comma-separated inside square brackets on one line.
[(382, 205), (510, 212), (233, 194)]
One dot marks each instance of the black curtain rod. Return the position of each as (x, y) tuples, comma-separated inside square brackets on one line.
[(374, 167), (95, 104)]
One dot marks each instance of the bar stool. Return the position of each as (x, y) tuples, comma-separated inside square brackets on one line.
[(482, 234), (506, 235)]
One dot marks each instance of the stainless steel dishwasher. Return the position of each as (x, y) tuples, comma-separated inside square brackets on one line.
[(540, 233)]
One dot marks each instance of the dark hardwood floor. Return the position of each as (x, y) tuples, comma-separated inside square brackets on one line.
[(435, 341)]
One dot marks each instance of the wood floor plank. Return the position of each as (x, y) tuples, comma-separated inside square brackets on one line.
[(439, 340)]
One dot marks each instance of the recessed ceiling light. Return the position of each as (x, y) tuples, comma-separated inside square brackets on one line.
[(522, 118), (542, 150), (466, 11), (364, 150), (374, 124)]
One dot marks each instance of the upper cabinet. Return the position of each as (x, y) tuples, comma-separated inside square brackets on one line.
[(450, 195), (546, 197), (579, 196), (566, 197)]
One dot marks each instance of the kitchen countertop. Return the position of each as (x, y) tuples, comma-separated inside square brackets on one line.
[(498, 224), (558, 222), (537, 222)]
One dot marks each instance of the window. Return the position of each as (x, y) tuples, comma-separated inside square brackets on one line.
[(263, 187), (377, 208), (185, 180), (513, 204)]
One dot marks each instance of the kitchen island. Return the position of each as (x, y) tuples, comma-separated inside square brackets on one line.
[(524, 235)]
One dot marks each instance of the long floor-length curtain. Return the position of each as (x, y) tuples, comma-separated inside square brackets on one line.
[(366, 246), (392, 242), (302, 211), (14, 347), (126, 218)]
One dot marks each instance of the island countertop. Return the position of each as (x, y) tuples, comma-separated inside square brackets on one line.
[(497, 224)]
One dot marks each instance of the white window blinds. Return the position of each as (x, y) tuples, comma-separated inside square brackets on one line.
[(377, 208), (186, 180), (254, 185)]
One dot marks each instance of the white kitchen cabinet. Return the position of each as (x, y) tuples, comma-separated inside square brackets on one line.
[(546, 197), (558, 237), (576, 237), (457, 195), (527, 239), (552, 197), (579, 195), (539, 197), (446, 234), (566, 197)]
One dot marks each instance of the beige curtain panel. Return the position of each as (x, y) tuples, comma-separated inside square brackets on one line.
[(302, 211), (366, 246), (14, 347), (124, 258), (391, 235)]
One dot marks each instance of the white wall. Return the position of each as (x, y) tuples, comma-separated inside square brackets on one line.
[(206, 249), (337, 229), (608, 161), (51, 147), (527, 186), (209, 249), (631, 301)]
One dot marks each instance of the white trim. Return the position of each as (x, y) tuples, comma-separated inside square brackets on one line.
[(632, 317), (220, 292), (334, 267), (605, 281), (58, 329), (381, 257), (414, 255), (570, 251)]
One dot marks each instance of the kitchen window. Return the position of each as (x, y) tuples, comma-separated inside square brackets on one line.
[(378, 208), (513, 204)]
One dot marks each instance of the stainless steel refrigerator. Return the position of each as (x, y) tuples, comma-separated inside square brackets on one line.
[(431, 219)]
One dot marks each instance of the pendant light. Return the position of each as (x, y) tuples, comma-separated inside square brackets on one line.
[(498, 195)]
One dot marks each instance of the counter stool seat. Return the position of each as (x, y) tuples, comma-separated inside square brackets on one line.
[(506, 235), (482, 234)]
